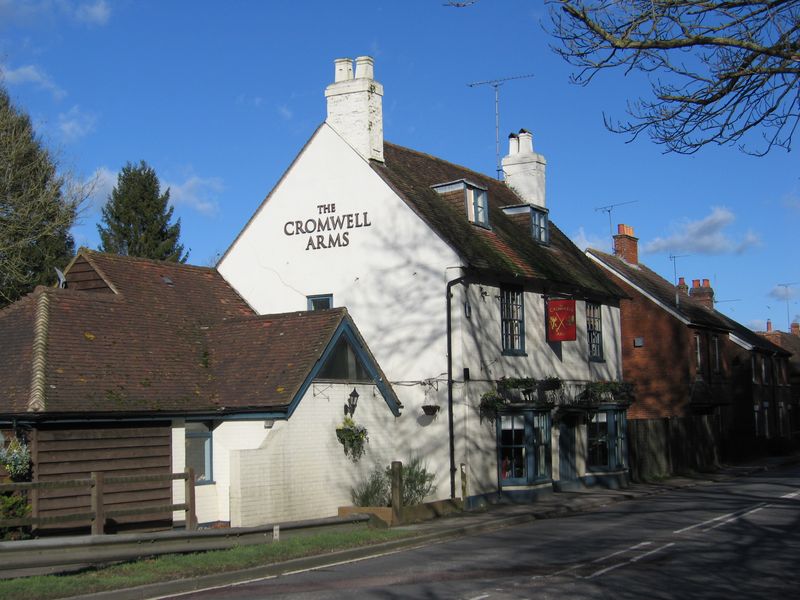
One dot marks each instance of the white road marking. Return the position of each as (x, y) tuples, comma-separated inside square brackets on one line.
[(736, 518), (629, 562), (618, 552), (730, 516), (479, 597), (791, 494)]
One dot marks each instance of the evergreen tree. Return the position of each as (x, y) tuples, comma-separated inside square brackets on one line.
[(136, 218), (38, 206)]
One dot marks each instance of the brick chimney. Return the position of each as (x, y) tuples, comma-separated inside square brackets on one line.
[(703, 293), (795, 328), (769, 325), (524, 169), (355, 106), (682, 288), (626, 246)]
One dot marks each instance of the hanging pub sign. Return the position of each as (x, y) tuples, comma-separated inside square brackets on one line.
[(561, 321)]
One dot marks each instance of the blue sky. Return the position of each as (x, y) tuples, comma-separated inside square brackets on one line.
[(220, 97)]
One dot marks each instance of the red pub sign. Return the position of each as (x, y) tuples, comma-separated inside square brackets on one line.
[(561, 321)]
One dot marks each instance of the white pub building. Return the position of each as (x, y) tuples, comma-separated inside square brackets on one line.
[(457, 281)]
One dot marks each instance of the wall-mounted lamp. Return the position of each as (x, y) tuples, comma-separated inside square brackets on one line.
[(352, 403)]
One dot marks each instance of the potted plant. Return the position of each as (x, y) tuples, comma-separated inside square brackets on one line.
[(353, 437), (430, 409)]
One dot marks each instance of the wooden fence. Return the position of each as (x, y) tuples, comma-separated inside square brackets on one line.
[(98, 515)]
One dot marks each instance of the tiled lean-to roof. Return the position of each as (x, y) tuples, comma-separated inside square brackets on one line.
[(506, 249), (133, 336)]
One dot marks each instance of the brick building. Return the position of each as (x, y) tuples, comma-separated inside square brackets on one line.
[(791, 343), (705, 384)]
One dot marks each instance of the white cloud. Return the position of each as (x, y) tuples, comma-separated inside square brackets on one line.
[(584, 241), (704, 236), (74, 124), (93, 13), (757, 325), (33, 75), (784, 292), (198, 193), (285, 112), (100, 186)]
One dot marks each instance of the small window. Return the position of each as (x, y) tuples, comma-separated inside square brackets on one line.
[(512, 320), (199, 454), (697, 352), (594, 330), (344, 365), (539, 226), (478, 206), (715, 341), (320, 302)]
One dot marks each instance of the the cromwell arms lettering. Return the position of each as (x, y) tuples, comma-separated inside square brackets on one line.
[(327, 229)]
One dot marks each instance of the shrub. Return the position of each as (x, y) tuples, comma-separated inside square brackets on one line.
[(373, 491), (376, 489), (417, 482), (14, 505)]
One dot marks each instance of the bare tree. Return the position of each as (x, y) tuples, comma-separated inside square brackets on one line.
[(719, 70)]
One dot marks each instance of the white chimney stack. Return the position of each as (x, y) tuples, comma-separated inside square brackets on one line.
[(355, 106), (524, 169)]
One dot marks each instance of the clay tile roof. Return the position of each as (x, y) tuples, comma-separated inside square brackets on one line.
[(263, 361), (692, 310), (506, 249), (168, 338)]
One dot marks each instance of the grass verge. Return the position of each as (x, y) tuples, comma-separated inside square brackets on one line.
[(179, 566)]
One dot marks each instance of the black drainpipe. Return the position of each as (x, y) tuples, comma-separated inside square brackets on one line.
[(450, 285)]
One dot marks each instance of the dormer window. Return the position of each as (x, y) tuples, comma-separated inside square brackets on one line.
[(478, 206), (539, 229), (533, 218), (467, 196)]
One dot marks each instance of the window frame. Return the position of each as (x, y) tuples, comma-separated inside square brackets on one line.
[(512, 327), (717, 359), (594, 335), (540, 223), (208, 449), (616, 440), (311, 300), (536, 445), (477, 206)]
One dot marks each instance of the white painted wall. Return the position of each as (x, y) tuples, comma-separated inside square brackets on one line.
[(391, 275), (301, 471)]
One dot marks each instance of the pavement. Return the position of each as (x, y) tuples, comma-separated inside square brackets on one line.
[(493, 517)]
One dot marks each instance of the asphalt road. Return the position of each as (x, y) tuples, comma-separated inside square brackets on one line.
[(735, 539)]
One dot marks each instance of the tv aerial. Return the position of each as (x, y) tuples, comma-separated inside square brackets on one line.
[(608, 209), (496, 83)]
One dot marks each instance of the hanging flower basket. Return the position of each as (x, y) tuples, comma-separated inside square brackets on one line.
[(353, 438), (430, 409), (16, 460), (491, 402)]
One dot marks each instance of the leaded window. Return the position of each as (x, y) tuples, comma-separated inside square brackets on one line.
[(512, 320), (594, 330)]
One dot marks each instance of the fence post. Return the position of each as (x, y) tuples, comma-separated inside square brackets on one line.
[(190, 517), (397, 491), (99, 520), (463, 483)]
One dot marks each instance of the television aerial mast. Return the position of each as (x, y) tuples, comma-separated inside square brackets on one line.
[(608, 209), (496, 83), (786, 287), (674, 258)]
